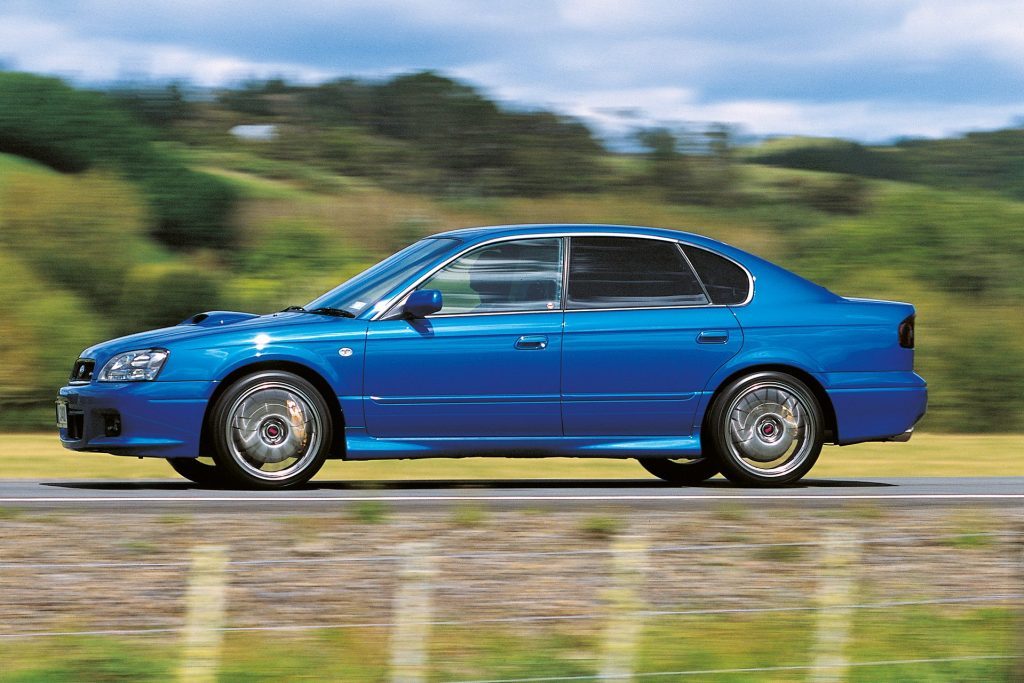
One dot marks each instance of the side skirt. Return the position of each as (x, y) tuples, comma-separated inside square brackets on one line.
[(361, 446)]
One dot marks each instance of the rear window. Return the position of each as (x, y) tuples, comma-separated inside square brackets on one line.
[(626, 272), (726, 283)]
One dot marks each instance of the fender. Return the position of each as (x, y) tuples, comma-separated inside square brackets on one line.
[(752, 358)]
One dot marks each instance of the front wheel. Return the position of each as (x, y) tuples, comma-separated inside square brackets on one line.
[(766, 429), (271, 430), (681, 472)]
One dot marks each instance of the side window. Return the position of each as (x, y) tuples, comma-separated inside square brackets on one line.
[(518, 275), (626, 272), (726, 282)]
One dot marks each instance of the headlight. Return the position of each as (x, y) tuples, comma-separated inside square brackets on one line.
[(134, 366)]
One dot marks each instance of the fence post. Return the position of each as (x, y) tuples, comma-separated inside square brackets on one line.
[(625, 626), (840, 555), (413, 610), (205, 602), (1017, 673)]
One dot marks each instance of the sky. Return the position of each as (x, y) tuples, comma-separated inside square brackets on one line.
[(871, 70)]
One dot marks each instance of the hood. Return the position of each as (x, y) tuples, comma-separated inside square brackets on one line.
[(201, 325)]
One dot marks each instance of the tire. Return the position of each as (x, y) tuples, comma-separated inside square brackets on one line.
[(681, 472), (766, 429), (197, 472), (271, 430)]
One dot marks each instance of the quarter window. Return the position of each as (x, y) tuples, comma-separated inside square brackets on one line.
[(518, 275), (726, 282), (625, 272)]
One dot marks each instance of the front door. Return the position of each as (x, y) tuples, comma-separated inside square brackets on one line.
[(488, 363), (641, 340)]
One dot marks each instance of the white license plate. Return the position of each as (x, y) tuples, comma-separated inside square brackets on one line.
[(62, 414)]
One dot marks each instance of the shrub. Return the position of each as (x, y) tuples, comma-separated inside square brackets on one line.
[(74, 130), (163, 294), (83, 232)]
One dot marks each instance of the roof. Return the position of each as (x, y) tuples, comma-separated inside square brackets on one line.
[(491, 231)]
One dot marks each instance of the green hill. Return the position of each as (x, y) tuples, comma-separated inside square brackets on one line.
[(82, 259)]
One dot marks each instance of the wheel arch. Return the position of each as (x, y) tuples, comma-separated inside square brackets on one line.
[(337, 449), (827, 409)]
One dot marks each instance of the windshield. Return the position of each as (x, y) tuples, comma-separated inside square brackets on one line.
[(366, 288)]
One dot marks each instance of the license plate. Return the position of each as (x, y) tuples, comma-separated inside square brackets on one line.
[(62, 414)]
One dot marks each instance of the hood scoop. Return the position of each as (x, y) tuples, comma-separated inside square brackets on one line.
[(216, 318)]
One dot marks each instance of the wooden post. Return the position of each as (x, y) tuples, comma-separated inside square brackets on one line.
[(1017, 672), (205, 602), (413, 610), (840, 554), (625, 626)]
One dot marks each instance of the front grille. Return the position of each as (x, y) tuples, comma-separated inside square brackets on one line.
[(82, 371)]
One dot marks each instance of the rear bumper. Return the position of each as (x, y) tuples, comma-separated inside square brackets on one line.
[(876, 406), (156, 419)]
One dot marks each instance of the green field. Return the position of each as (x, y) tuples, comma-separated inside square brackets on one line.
[(40, 456), (716, 648)]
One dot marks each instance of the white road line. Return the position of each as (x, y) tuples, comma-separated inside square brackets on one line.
[(523, 498)]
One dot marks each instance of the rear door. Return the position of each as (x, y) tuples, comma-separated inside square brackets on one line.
[(640, 340)]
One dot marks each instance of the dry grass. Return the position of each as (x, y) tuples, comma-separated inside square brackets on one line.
[(32, 456)]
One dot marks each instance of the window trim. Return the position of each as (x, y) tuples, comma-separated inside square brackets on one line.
[(679, 248), (750, 278), (562, 253), (389, 310)]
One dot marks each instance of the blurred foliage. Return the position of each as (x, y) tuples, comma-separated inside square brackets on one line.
[(82, 233), (74, 130), (991, 160), (423, 132), (161, 294), (690, 167), (356, 170)]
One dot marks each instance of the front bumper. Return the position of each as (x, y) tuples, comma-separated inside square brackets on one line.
[(155, 419)]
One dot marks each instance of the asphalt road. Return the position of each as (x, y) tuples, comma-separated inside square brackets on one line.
[(146, 496)]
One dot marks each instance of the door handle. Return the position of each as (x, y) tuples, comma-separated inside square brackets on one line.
[(532, 342), (713, 337)]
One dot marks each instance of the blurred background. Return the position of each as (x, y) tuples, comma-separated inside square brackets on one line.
[(167, 158), (159, 158)]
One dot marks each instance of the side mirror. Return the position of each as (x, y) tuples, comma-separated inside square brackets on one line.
[(422, 303)]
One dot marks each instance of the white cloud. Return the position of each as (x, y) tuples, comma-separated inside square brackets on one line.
[(860, 68), (51, 48), (994, 26)]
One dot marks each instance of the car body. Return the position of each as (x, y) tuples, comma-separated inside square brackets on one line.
[(529, 340)]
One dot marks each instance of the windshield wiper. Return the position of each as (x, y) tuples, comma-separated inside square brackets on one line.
[(337, 312), (323, 310)]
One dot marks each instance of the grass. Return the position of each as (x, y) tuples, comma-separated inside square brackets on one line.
[(40, 456), (370, 512), (667, 644), (600, 526)]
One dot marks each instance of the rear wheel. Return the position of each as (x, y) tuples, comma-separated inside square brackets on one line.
[(271, 430), (197, 471), (766, 429), (682, 472)]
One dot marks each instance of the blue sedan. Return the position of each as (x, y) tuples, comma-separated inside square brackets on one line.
[(598, 341)]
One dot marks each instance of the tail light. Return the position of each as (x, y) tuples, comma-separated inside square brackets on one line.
[(906, 333)]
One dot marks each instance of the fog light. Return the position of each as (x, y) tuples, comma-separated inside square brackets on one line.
[(112, 425)]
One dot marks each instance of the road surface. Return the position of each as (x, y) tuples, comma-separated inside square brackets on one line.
[(145, 496)]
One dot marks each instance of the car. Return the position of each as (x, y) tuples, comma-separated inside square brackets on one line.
[(604, 341)]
